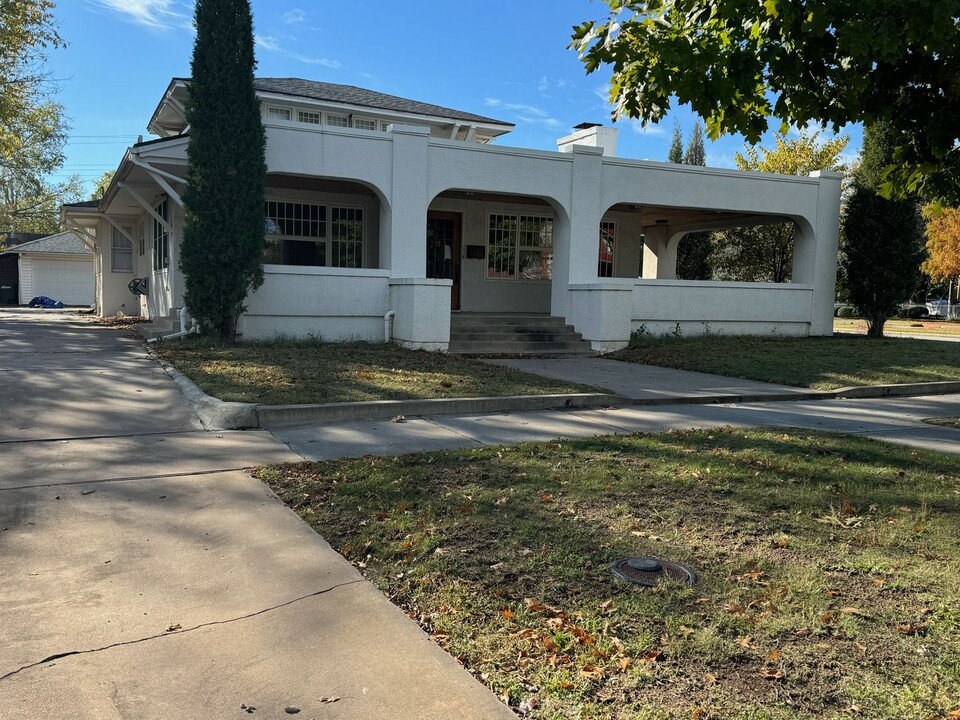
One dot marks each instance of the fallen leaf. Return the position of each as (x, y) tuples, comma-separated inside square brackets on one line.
[(398, 419), (652, 656), (546, 498), (710, 679), (771, 674), (173, 628), (912, 628), (508, 614), (745, 641), (625, 663), (775, 655), (329, 700), (592, 672), (855, 611)]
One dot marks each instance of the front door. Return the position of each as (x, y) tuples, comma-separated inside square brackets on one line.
[(443, 250)]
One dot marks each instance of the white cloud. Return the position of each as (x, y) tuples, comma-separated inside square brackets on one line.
[(161, 14), (547, 83), (526, 113), (296, 16), (271, 43)]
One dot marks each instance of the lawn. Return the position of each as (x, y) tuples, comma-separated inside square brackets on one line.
[(824, 363), (893, 327), (288, 372), (829, 570), (945, 422)]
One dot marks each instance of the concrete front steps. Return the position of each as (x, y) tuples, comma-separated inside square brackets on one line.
[(515, 334)]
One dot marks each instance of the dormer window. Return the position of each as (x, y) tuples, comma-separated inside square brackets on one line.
[(337, 120), (311, 118), (279, 113)]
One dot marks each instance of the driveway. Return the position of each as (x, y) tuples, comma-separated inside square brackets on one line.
[(145, 576)]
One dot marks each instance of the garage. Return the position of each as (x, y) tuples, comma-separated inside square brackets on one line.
[(58, 266)]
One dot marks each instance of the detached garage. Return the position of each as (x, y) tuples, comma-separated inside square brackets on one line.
[(59, 266)]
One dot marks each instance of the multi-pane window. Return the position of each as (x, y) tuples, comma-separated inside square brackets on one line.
[(364, 124), (608, 236), (346, 237), (279, 113), (520, 247), (312, 118), (299, 234), (121, 253), (161, 239), (337, 120)]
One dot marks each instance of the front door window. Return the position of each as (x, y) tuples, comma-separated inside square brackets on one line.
[(443, 251)]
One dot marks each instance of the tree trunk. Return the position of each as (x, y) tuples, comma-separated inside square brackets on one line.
[(875, 325)]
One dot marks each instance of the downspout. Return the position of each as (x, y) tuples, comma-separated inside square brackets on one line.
[(387, 334), (184, 317)]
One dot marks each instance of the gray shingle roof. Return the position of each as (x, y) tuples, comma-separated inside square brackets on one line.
[(350, 95), (65, 243), (83, 204)]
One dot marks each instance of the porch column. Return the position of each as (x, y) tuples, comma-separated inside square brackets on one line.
[(815, 252), (403, 247), (421, 306), (660, 253), (576, 242)]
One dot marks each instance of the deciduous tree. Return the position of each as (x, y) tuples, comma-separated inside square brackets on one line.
[(224, 240), (764, 253), (742, 64), (943, 242)]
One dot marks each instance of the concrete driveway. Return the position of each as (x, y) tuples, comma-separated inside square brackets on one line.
[(142, 575)]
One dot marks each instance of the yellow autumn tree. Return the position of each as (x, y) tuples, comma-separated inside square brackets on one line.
[(943, 242)]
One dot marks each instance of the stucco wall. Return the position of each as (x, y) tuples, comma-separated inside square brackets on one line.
[(724, 308), (330, 303)]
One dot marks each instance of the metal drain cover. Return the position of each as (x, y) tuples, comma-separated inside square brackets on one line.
[(649, 571)]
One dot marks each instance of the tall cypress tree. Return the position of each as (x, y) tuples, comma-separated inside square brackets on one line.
[(882, 239), (223, 241), (676, 145)]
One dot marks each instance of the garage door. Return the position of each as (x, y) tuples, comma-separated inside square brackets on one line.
[(69, 281)]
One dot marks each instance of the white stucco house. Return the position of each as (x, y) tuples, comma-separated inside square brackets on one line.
[(59, 266), (383, 212)]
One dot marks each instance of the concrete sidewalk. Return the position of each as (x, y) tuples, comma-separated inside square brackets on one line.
[(646, 382), (892, 419), (144, 577)]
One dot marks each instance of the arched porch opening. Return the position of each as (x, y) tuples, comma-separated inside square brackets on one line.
[(497, 248), (323, 222)]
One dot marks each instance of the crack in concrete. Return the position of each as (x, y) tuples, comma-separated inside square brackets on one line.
[(173, 633), (130, 478), (23, 441)]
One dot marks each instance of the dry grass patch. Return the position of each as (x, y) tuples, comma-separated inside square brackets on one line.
[(290, 373), (830, 570)]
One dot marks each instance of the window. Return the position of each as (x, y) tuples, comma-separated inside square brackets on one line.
[(384, 124), (364, 124), (297, 234), (161, 239), (279, 113), (337, 121), (520, 247), (608, 236), (346, 236), (312, 118), (121, 253)]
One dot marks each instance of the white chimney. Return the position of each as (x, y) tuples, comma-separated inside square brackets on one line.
[(592, 135)]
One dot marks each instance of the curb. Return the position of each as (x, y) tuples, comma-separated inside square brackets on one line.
[(217, 414)]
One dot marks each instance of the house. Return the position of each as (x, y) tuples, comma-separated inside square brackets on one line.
[(59, 266), (386, 217)]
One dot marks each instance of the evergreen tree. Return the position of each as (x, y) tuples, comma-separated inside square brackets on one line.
[(882, 239), (676, 145), (695, 249), (223, 245)]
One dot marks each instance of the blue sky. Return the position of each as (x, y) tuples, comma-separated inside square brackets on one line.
[(504, 59)]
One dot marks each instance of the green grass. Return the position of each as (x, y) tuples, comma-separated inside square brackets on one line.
[(830, 570), (289, 372), (945, 422), (817, 362)]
